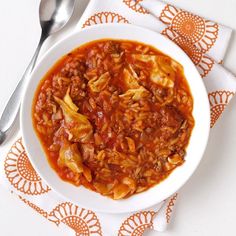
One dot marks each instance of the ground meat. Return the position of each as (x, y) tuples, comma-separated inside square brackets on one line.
[(171, 117)]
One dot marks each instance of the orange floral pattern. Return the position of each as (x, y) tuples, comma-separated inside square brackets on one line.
[(134, 5), (203, 33), (203, 62), (104, 17), (218, 101), (20, 172), (136, 224), (83, 222), (170, 206)]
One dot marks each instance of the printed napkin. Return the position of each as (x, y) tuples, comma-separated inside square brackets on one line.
[(204, 41)]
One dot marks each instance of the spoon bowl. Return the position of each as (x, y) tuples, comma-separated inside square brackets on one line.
[(54, 14)]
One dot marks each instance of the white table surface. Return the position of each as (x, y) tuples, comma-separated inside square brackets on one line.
[(207, 203)]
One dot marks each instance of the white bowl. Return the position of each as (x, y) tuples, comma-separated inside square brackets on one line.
[(92, 200)]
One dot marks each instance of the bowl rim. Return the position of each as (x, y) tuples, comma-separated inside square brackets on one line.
[(30, 150)]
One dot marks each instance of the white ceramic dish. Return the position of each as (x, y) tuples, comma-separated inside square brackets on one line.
[(80, 195)]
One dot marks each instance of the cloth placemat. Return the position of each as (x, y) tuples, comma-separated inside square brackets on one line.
[(204, 41)]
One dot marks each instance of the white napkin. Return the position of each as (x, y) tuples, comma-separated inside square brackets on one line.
[(204, 41)]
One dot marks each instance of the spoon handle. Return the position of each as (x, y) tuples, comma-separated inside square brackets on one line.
[(11, 110)]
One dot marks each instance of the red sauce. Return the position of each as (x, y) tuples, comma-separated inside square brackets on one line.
[(137, 104)]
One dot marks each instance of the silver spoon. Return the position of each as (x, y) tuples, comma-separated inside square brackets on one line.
[(53, 14)]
